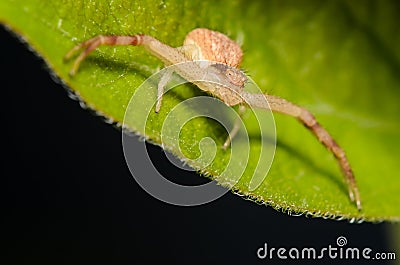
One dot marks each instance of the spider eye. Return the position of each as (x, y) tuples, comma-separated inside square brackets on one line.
[(235, 77)]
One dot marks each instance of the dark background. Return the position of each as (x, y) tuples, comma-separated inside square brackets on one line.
[(68, 197)]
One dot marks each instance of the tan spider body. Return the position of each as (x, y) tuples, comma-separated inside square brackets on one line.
[(205, 44)]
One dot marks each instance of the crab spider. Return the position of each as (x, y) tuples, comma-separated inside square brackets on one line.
[(205, 44)]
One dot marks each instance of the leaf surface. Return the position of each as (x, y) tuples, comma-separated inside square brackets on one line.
[(339, 60)]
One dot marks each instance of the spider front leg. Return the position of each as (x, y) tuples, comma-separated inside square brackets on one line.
[(283, 106), (93, 43), (324, 137)]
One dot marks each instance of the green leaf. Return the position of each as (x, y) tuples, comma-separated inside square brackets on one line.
[(338, 59)]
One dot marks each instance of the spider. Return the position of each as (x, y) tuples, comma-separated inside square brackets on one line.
[(226, 56)]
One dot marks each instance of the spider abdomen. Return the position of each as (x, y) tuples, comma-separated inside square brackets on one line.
[(205, 44)]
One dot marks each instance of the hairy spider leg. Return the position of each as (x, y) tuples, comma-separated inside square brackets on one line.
[(283, 106), (164, 52), (91, 44)]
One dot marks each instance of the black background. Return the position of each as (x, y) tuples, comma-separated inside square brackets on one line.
[(68, 197)]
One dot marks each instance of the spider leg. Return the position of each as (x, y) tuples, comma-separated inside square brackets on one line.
[(324, 137), (161, 86), (97, 41), (283, 106), (236, 127), (164, 52)]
